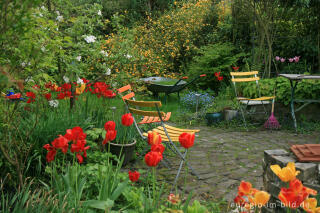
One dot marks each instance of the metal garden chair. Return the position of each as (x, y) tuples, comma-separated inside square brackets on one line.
[(126, 93), (244, 77), (169, 134)]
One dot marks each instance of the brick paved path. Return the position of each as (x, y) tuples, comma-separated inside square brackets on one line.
[(224, 158)]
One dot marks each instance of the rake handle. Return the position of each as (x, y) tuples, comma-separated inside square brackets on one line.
[(272, 109)]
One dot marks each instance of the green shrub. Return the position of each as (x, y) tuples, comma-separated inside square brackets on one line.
[(212, 59)]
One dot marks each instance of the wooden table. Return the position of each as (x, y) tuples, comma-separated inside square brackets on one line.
[(294, 79)]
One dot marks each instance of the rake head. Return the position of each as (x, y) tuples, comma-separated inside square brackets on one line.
[(272, 123)]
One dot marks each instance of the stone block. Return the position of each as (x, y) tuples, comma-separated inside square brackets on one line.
[(282, 161), (274, 189), (308, 172), (268, 154)]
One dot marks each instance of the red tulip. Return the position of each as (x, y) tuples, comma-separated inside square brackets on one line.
[(186, 140), (157, 148), (31, 96), (134, 176), (110, 125), (239, 200), (153, 138), (127, 119), (66, 87), (217, 74), (220, 78), (61, 143), (235, 68), (293, 196), (74, 134), (110, 136), (108, 94), (51, 152), (48, 96), (85, 80), (80, 158), (61, 95), (153, 158)]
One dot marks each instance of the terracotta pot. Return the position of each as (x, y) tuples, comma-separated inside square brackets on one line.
[(126, 150)]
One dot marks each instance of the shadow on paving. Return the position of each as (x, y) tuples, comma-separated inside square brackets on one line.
[(224, 158)]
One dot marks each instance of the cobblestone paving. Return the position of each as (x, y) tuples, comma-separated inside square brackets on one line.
[(224, 158)]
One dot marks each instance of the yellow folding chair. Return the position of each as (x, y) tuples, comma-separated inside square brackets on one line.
[(244, 77), (169, 134)]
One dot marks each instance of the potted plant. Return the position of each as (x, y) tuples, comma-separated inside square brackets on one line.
[(117, 137), (214, 114), (221, 109)]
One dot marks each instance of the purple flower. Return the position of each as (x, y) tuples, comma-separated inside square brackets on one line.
[(277, 58), (296, 59), (291, 60), (282, 60)]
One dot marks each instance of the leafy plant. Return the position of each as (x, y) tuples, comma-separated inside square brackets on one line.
[(225, 100), (215, 58)]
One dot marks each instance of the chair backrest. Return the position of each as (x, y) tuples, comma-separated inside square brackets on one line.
[(239, 77), (126, 92), (132, 107)]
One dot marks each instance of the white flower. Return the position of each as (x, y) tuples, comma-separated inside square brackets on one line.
[(78, 58), (66, 79), (59, 18), (43, 49), (99, 13), (90, 39), (58, 13), (114, 85), (128, 56), (29, 79), (43, 8), (79, 81), (104, 53), (23, 64), (54, 103), (40, 14), (108, 71)]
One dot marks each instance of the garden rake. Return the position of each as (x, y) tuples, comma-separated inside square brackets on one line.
[(272, 122)]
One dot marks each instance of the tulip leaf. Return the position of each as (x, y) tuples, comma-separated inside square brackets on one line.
[(99, 204), (119, 190)]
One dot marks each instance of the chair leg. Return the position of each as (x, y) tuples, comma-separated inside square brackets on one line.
[(183, 158), (179, 170), (166, 162), (243, 118)]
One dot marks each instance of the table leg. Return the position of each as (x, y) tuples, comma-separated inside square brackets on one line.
[(293, 87)]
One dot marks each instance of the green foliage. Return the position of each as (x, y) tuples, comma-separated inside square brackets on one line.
[(30, 200), (196, 207), (225, 100), (212, 59)]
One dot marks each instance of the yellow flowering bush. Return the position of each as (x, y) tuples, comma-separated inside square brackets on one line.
[(157, 47)]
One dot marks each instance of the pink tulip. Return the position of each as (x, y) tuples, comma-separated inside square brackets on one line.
[(291, 60), (277, 58), (296, 59), (282, 60)]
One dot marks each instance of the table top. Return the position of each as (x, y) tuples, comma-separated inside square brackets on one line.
[(299, 76)]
